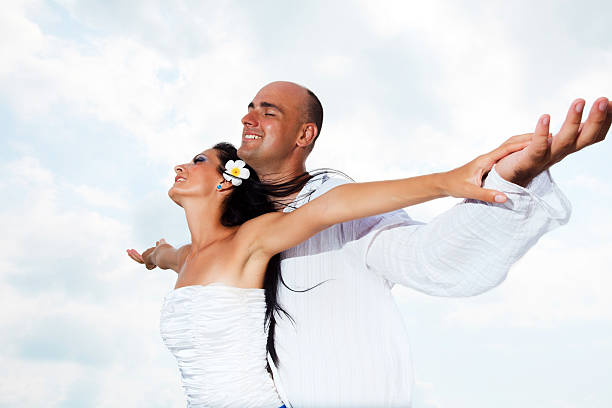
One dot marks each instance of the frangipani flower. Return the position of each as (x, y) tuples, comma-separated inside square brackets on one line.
[(236, 172)]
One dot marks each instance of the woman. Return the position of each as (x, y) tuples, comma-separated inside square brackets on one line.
[(219, 319)]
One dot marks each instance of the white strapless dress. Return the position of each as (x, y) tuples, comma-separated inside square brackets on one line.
[(217, 334)]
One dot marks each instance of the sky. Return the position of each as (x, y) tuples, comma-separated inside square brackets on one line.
[(99, 100)]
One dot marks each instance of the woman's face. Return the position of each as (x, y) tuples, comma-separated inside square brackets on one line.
[(197, 178)]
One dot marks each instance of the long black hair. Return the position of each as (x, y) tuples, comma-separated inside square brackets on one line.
[(251, 199)]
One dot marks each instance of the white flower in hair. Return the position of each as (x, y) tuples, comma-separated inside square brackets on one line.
[(236, 172)]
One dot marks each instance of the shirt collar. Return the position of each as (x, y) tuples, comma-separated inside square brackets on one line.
[(305, 194)]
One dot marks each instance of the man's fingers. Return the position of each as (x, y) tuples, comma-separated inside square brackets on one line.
[(594, 125), (539, 148), (606, 126), (542, 128), (571, 126)]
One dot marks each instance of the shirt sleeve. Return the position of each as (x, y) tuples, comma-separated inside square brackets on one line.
[(470, 248)]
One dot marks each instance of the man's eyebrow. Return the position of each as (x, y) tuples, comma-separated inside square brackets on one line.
[(270, 105), (265, 105)]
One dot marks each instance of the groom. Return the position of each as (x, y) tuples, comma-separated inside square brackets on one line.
[(348, 346)]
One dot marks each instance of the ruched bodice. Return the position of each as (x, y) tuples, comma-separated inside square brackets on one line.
[(217, 334)]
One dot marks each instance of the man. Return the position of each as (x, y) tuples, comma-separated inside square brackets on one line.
[(347, 345)]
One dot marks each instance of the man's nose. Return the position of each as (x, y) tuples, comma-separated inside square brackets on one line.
[(249, 119)]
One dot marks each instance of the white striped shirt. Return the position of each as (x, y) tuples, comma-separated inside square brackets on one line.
[(349, 346)]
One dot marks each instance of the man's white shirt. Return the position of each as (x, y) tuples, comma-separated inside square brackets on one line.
[(347, 345)]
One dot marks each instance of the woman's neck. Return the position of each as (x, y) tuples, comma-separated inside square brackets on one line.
[(204, 222)]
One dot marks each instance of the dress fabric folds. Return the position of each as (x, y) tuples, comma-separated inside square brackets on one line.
[(218, 336)]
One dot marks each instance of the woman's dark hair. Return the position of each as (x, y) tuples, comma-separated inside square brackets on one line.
[(251, 199)]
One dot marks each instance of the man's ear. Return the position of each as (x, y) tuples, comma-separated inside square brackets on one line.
[(308, 135)]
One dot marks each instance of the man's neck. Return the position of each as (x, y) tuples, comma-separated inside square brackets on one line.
[(282, 175)]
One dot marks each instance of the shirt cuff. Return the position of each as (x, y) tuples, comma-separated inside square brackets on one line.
[(542, 192)]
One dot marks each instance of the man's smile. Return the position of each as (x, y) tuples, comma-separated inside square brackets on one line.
[(251, 136)]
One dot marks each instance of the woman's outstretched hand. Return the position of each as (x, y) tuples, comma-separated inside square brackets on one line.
[(148, 256), (466, 181)]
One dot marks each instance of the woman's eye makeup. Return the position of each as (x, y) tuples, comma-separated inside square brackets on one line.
[(199, 158)]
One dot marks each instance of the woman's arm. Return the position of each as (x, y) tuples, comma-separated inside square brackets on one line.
[(162, 255), (276, 232)]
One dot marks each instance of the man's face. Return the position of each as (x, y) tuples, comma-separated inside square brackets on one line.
[(272, 124)]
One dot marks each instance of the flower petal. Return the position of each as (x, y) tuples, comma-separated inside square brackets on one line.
[(239, 163), (227, 177), (236, 181), (230, 165), (245, 173)]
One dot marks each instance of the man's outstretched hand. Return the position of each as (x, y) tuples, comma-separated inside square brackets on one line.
[(545, 150)]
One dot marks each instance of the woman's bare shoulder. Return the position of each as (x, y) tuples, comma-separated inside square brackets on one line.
[(258, 225)]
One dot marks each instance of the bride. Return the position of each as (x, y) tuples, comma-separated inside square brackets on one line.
[(219, 320)]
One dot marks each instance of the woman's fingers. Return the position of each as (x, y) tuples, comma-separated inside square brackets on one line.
[(485, 194), (525, 137), (132, 253), (508, 148)]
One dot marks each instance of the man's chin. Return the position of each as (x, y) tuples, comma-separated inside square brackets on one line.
[(244, 153)]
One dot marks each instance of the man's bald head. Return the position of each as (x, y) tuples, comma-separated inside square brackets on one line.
[(283, 121), (309, 105)]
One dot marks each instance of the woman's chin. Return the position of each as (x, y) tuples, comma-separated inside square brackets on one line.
[(175, 196)]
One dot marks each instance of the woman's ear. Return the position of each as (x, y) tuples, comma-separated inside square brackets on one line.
[(223, 186)]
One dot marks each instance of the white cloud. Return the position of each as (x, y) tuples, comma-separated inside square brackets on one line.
[(98, 197), (116, 80), (425, 395), (595, 185), (80, 308), (334, 65)]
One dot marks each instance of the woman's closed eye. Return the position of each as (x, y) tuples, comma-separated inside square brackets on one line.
[(199, 158)]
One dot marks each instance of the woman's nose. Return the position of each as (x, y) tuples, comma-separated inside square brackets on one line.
[(179, 168)]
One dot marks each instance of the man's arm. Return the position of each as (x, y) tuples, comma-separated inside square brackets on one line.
[(468, 249)]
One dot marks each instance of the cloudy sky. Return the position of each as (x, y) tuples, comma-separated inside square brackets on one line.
[(98, 100)]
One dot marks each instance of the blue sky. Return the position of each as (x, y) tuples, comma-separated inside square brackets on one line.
[(98, 100)]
